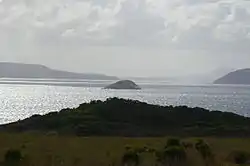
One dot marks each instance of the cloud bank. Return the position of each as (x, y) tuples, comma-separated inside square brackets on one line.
[(178, 31)]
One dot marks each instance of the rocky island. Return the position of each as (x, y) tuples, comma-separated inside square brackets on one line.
[(123, 84), (237, 77)]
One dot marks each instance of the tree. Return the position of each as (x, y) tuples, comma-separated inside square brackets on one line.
[(173, 153), (239, 157), (131, 158), (187, 145), (12, 157), (205, 151), (173, 142)]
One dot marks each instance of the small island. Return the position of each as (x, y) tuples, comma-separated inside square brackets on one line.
[(123, 84)]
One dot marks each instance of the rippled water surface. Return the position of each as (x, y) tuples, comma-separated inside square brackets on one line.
[(21, 101)]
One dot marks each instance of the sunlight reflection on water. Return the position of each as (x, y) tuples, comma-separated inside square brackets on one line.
[(21, 101)]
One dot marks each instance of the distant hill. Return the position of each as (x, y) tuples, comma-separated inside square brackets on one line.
[(237, 77), (19, 70), (120, 117)]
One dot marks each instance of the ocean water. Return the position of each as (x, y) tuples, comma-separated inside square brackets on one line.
[(19, 101)]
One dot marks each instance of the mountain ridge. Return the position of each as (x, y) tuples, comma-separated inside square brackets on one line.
[(21, 70), (241, 76)]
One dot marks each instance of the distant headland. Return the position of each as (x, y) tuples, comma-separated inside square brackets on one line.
[(19, 70), (237, 77)]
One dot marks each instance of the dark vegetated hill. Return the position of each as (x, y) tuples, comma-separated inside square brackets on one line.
[(120, 117)]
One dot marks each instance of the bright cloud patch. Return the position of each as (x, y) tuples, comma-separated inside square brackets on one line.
[(178, 23)]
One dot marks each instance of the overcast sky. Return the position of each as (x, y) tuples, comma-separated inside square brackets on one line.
[(127, 37)]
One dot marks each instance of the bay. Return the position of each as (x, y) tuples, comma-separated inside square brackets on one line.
[(22, 100)]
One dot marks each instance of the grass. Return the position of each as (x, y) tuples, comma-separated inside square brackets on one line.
[(48, 150)]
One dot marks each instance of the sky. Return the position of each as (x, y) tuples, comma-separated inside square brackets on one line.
[(127, 37)]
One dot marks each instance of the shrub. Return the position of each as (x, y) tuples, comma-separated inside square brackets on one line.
[(187, 145), (52, 133), (128, 147), (140, 150), (131, 158), (173, 142), (239, 157), (13, 156), (173, 155), (204, 149)]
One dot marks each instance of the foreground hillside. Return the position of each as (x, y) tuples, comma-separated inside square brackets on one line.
[(237, 77), (53, 150), (120, 117)]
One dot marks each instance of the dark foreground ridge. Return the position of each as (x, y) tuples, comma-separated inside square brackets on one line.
[(120, 117)]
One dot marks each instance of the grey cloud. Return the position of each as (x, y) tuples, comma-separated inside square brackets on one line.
[(131, 22), (45, 30), (136, 26), (241, 14)]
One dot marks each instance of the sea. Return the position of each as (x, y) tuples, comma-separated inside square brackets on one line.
[(20, 99)]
